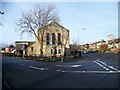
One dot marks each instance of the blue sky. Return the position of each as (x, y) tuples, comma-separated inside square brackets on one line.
[(98, 18)]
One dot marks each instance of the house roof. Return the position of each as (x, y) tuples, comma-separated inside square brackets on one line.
[(53, 23), (114, 41), (24, 41), (117, 40)]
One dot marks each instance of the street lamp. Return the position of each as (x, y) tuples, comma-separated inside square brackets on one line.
[(1, 12), (78, 38), (78, 34)]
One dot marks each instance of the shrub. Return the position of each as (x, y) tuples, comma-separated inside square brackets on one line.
[(7, 54)]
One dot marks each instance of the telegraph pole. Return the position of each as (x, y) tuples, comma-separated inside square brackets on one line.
[(78, 41)]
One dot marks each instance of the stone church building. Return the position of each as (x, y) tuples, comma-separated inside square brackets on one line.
[(53, 40)]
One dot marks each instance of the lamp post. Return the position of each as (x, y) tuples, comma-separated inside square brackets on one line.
[(78, 38), (78, 34), (1, 12)]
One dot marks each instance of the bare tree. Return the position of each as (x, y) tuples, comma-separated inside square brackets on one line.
[(37, 18), (75, 48), (76, 45), (103, 47)]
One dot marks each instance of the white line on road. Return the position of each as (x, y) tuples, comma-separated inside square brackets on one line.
[(38, 68), (107, 65), (101, 62), (63, 71), (58, 70), (101, 65), (75, 65), (113, 68), (69, 65), (107, 72)]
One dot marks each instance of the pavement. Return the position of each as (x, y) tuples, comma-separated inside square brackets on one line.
[(85, 72)]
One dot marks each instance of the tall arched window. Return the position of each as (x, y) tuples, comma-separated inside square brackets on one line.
[(47, 38), (51, 51), (31, 48), (55, 52), (53, 38), (59, 38), (59, 51)]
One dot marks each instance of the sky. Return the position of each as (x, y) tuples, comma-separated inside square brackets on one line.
[(99, 19)]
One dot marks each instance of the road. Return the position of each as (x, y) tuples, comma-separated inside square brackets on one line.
[(22, 73)]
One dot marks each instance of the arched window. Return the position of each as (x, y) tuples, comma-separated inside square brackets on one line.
[(55, 51), (47, 38), (31, 48), (51, 51), (53, 38), (59, 51), (59, 38)]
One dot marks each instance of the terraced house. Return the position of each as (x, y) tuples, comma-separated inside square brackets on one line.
[(53, 40)]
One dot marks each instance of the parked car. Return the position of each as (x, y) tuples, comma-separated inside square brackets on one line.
[(118, 50)]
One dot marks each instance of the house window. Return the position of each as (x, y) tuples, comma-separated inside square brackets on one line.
[(31, 48), (59, 51), (51, 51), (59, 38), (47, 38), (53, 38), (55, 51)]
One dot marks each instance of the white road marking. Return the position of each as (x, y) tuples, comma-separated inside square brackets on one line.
[(118, 70), (63, 71), (107, 65), (38, 68), (92, 71), (69, 65), (75, 65), (58, 70), (101, 65), (113, 68), (101, 62)]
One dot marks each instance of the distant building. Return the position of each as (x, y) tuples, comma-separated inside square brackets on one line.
[(21, 47), (55, 42), (93, 46), (8, 49), (113, 45), (110, 37)]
